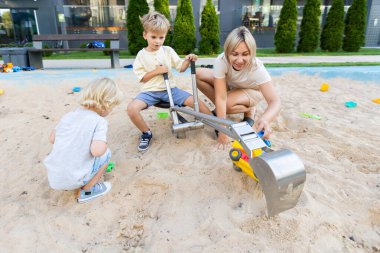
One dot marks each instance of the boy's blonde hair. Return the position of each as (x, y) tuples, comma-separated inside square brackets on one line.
[(238, 35), (155, 22), (101, 95)]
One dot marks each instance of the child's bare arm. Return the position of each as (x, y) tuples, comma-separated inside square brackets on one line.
[(52, 136), (188, 59), (98, 148), (160, 69)]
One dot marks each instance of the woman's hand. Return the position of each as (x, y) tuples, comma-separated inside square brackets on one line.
[(263, 124)]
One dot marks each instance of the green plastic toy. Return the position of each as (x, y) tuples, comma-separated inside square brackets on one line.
[(308, 115), (110, 167), (162, 115)]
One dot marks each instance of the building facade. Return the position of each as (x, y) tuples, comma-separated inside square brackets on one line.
[(21, 19)]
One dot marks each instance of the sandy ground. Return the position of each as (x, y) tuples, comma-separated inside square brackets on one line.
[(183, 195)]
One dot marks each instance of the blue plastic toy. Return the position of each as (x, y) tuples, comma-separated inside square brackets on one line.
[(76, 89), (350, 104)]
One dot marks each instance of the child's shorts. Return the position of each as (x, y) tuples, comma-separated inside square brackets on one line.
[(154, 97), (98, 163)]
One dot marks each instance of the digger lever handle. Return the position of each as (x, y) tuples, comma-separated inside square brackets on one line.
[(165, 76), (192, 66)]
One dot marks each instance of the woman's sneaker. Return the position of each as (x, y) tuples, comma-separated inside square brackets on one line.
[(250, 121), (145, 139), (97, 190)]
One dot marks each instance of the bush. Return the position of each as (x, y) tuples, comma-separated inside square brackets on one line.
[(332, 32), (162, 6), (48, 53), (136, 8), (310, 27), (354, 31), (107, 44), (184, 29), (209, 30), (286, 28)]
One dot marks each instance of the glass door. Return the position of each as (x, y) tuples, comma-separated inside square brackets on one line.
[(6, 27), (25, 25)]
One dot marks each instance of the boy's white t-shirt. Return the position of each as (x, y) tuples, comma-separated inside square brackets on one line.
[(148, 61), (70, 162), (246, 78)]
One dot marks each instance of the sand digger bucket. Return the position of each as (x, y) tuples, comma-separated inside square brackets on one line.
[(282, 176)]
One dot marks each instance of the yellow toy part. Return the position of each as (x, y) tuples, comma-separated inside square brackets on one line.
[(376, 100), (324, 87), (7, 67), (240, 160), (1, 91)]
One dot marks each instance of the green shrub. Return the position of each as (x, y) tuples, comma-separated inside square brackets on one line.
[(136, 8), (162, 6), (286, 28), (107, 44), (184, 29), (332, 32), (48, 53), (310, 27), (355, 23), (209, 30)]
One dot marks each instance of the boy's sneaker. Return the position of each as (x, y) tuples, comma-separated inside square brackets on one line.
[(97, 190), (145, 139)]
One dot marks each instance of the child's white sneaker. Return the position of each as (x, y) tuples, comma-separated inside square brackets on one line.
[(97, 190)]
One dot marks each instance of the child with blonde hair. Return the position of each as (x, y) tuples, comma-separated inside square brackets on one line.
[(150, 63), (80, 155)]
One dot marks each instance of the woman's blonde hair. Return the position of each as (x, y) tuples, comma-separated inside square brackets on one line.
[(238, 35), (155, 22), (101, 95)]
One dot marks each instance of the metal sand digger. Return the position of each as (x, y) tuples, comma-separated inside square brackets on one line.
[(280, 173)]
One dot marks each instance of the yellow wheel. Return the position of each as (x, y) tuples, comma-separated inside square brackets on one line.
[(235, 154)]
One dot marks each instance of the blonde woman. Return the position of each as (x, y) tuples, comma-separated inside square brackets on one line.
[(80, 155), (238, 82)]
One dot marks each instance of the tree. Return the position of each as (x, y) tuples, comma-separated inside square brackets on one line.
[(310, 27), (209, 30), (184, 29), (136, 8), (287, 27), (162, 6), (332, 32), (354, 31)]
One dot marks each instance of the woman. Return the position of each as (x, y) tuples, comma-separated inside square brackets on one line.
[(239, 81)]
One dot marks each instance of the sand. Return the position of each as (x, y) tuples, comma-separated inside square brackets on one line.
[(182, 195)]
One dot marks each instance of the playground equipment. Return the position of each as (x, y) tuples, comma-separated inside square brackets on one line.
[(281, 173)]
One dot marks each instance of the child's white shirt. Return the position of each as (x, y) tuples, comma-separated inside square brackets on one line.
[(70, 162), (148, 61), (246, 78)]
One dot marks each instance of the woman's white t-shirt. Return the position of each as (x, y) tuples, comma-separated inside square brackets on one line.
[(247, 78)]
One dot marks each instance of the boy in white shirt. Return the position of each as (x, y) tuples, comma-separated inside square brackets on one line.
[(150, 63)]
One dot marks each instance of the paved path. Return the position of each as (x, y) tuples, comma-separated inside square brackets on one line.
[(106, 63)]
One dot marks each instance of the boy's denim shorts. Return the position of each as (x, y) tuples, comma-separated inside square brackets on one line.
[(154, 97), (98, 163)]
